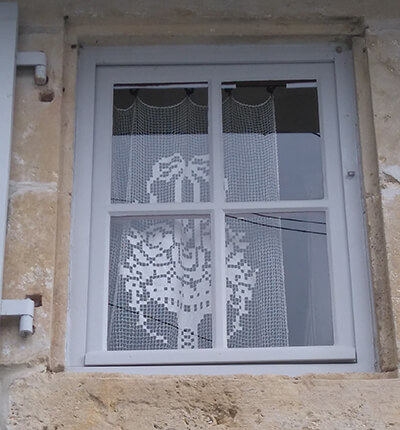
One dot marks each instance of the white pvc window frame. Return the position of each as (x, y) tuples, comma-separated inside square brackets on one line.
[(99, 70)]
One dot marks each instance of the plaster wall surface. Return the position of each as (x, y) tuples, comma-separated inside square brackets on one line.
[(35, 392), (30, 247), (384, 55)]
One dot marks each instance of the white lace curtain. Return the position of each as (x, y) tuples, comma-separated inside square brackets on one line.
[(160, 293)]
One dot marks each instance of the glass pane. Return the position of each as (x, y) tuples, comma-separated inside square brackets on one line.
[(272, 144), (278, 291), (160, 283), (160, 144)]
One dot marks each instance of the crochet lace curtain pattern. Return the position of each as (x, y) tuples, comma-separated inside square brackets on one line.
[(161, 276)]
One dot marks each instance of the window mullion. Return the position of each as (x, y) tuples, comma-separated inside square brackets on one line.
[(218, 216), (129, 209)]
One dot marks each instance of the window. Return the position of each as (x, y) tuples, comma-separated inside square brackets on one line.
[(217, 212)]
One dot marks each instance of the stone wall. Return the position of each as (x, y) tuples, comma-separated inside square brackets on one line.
[(35, 391), (106, 402)]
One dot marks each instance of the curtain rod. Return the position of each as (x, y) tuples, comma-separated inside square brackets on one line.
[(228, 86)]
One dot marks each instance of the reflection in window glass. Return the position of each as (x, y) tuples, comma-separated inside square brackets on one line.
[(278, 290), (272, 144)]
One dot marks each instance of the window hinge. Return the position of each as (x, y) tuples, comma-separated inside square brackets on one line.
[(19, 308), (37, 60)]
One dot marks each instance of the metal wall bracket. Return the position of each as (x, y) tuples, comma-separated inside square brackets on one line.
[(19, 308), (37, 60)]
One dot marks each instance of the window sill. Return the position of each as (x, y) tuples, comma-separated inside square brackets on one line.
[(300, 354)]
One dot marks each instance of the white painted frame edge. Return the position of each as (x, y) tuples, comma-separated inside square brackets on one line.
[(8, 46), (361, 286), (81, 213), (206, 54)]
